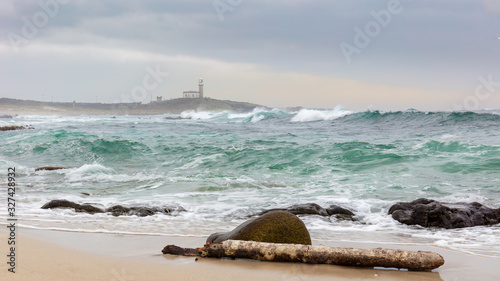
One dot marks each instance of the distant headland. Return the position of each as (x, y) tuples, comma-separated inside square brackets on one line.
[(174, 106)]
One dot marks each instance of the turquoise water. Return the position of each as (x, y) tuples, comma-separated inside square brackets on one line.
[(224, 167)]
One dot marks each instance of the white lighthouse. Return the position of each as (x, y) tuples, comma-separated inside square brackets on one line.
[(200, 88)]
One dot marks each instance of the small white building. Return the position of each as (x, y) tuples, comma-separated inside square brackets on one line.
[(190, 94)]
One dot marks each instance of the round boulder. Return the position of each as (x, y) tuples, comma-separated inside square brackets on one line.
[(271, 227)]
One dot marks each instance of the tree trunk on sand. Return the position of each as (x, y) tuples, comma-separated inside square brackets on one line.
[(411, 260), (176, 250)]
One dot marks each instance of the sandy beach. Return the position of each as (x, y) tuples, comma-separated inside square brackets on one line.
[(57, 255)]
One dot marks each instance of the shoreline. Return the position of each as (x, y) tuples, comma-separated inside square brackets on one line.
[(57, 255)]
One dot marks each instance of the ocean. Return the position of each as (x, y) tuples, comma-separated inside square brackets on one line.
[(225, 167)]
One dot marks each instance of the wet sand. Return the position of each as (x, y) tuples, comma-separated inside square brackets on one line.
[(57, 255)]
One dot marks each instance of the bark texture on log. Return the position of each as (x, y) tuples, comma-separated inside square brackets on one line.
[(411, 260), (176, 250)]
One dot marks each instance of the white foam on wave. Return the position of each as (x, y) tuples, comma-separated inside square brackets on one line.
[(20, 169), (101, 173), (463, 197), (448, 136), (256, 115), (309, 115), (257, 118), (90, 169), (248, 114), (7, 122), (200, 115), (199, 160)]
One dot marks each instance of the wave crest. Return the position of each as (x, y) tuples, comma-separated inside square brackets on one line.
[(309, 115)]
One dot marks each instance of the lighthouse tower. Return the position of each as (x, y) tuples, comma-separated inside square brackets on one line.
[(200, 88)]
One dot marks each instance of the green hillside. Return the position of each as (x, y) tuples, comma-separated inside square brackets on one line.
[(174, 106)]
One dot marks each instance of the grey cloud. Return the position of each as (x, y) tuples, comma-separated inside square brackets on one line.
[(451, 40)]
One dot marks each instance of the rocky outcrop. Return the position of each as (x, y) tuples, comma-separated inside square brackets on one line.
[(65, 204), (315, 209), (431, 213), (272, 227), (175, 118), (339, 212), (307, 209), (116, 210), (13, 128), (120, 210), (49, 168)]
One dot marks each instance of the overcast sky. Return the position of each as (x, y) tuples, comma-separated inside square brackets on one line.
[(389, 54)]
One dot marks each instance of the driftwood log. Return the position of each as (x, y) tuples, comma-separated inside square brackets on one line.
[(411, 260), (176, 250)]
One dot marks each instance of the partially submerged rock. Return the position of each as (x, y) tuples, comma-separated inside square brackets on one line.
[(340, 213), (60, 204), (65, 204), (13, 128), (49, 168), (307, 209), (315, 209), (272, 227), (117, 210), (431, 213), (120, 210)]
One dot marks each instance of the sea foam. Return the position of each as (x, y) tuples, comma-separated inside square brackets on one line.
[(308, 115)]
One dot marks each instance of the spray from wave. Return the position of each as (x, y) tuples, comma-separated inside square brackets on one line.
[(309, 115)]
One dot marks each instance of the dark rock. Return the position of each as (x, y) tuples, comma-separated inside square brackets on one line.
[(315, 209), (141, 211), (49, 168), (307, 209), (60, 204), (6, 116), (170, 209), (88, 208), (337, 210), (144, 211), (116, 210), (119, 210), (13, 128), (431, 213), (302, 209), (65, 204), (272, 227)]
